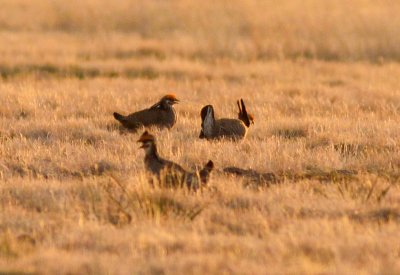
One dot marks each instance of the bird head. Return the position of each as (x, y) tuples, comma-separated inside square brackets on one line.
[(147, 140), (170, 99), (247, 118), (251, 118)]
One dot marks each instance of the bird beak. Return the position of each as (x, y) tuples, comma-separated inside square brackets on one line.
[(176, 101), (142, 146)]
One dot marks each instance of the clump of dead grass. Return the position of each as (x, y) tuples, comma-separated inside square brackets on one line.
[(127, 203)]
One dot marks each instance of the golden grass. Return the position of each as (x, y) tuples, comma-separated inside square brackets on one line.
[(73, 188), (320, 191), (241, 30)]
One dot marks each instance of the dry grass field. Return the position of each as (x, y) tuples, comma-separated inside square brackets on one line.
[(320, 77)]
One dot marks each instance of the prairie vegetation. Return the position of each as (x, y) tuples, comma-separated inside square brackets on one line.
[(320, 193)]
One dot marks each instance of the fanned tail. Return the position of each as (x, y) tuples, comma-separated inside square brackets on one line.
[(206, 172), (119, 117)]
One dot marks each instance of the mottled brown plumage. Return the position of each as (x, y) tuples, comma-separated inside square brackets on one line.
[(231, 128), (254, 178), (161, 114), (171, 174)]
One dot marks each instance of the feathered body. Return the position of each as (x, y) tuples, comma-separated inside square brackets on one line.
[(168, 173), (231, 128), (162, 115)]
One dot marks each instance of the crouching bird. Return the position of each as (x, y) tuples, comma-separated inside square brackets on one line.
[(231, 128), (162, 115), (170, 174)]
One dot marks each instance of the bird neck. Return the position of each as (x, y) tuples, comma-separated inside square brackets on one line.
[(165, 106), (208, 124), (245, 120), (151, 152), (162, 105)]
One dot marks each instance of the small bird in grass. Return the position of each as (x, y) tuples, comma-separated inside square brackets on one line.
[(253, 178), (161, 115), (171, 174), (231, 128)]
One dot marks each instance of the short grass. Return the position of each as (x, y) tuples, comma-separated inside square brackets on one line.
[(319, 191)]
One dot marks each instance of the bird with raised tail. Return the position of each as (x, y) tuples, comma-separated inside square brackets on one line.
[(162, 115), (230, 128), (168, 173)]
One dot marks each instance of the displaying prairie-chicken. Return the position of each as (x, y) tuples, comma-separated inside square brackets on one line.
[(161, 114), (171, 174), (232, 128)]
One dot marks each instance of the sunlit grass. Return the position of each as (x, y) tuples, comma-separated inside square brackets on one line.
[(314, 187)]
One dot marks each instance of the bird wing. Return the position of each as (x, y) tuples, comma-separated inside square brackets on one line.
[(230, 127), (156, 106), (174, 166), (173, 175), (144, 117)]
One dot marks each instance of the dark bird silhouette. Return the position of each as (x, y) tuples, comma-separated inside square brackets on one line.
[(161, 114), (232, 128), (171, 174)]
